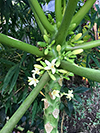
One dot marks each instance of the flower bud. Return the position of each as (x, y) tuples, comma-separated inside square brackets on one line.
[(38, 66), (58, 63), (49, 16), (62, 71), (52, 42), (46, 38), (46, 52), (72, 26), (58, 24), (76, 37), (58, 48), (77, 51)]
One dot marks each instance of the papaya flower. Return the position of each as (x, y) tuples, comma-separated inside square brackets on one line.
[(55, 93), (50, 66), (70, 95), (32, 80), (36, 71)]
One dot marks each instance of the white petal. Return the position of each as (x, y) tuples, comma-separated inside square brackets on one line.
[(33, 75), (32, 82), (53, 70), (47, 62), (53, 61), (47, 68), (30, 78)]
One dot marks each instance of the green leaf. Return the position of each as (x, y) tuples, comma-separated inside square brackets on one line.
[(23, 58), (77, 97), (6, 62), (81, 89), (67, 78), (9, 76), (69, 109), (34, 110), (13, 82)]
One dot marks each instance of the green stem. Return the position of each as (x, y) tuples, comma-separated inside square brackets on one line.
[(81, 71), (64, 6), (6, 40), (84, 46), (25, 105), (62, 32), (37, 19), (58, 11), (82, 12), (41, 16)]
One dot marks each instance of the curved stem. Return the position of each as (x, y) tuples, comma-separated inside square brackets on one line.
[(37, 19), (84, 46), (58, 12), (82, 71), (41, 16), (25, 105), (70, 8), (82, 12)]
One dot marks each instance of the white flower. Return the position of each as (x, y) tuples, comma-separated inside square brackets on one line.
[(36, 71), (55, 93), (70, 95), (50, 66), (33, 80)]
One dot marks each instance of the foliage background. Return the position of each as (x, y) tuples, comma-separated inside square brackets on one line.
[(17, 20)]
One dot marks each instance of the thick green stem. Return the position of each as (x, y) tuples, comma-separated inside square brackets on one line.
[(84, 46), (25, 105), (82, 12), (37, 19), (81, 71), (58, 11), (6, 40), (51, 108), (41, 16), (62, 32)]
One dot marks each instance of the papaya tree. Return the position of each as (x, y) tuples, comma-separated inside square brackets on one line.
[(57, 59)]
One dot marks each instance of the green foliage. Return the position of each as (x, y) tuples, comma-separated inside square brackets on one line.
[(16, 65)]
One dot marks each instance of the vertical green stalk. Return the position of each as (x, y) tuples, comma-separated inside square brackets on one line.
[(62, 32), (49, 27), (51, 108), (37, 19), (58, 11)]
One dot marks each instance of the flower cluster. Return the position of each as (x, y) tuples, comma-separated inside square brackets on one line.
[(51, 68), (56, 93), (32, 80)]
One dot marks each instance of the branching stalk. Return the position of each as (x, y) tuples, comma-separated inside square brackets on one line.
[(25, 105), (58, 11), (41, 16), (37, 19), (10, 41), (62, 32), (82, 71), (84, 46), (82, 12)]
